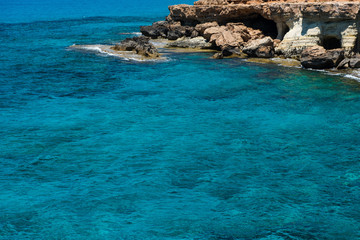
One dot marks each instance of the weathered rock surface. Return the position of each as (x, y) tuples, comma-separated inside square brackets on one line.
[(320, 32), (157, 29), (260, 48), (169, 30), (298, 24), (354, 62), (336, 55), (200, 28), (318, 58), (140, 45), (185, 42), (233, 35)]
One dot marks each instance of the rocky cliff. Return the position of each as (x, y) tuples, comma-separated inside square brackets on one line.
[(332, 24), (234, 25)]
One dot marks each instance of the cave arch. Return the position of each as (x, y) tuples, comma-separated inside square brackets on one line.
[(331, 42)]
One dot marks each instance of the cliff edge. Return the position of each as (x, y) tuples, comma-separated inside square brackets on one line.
[(293, 26)]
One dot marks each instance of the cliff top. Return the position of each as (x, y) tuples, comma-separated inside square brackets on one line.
[(230, 2)]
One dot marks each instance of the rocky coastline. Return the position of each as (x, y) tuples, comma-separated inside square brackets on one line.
[(320, 34)]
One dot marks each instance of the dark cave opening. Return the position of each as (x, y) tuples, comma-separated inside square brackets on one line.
[(268, 27), (330, 42)]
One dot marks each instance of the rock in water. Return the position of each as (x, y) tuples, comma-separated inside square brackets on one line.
[(218, 55), (260, 48), (316, 57), (169, 30), (343, 64), (336, 55), (157, 29), (140, 45), (184, 42)]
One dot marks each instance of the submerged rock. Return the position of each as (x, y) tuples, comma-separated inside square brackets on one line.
[(140, 45)]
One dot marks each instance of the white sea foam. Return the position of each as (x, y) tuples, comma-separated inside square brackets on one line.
[(130, 33), (105, 50), (352, 77)]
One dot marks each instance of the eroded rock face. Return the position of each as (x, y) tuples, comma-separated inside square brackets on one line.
[(157, 29), (140, 45), (320, 32), (169, 30), (298, 24), (233, 35)]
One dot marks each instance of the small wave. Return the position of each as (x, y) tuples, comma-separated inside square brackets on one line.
[(106, 50), (352, 77), (131, 33)]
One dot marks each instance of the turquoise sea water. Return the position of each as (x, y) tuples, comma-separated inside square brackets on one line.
[(95, 147)]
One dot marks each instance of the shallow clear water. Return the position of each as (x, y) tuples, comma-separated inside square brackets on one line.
[(95, 147)]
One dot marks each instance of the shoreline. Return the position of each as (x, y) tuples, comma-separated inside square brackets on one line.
[(161, 45)]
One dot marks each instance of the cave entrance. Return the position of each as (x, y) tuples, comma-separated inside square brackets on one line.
[(330, 42), (268, 27)]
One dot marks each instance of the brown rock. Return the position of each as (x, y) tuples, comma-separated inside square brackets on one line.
[(277, 42), (336, 55), (265, 52), (316, 57), (232, 35), (343, 64), (260, 48), (157, 29), (194, 34), (140, 45), (218, 55), (176, 30), (202, 27), (354, 62)]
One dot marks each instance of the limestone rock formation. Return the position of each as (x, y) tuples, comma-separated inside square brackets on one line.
[(140, 45), (332, 24), (267, 28)]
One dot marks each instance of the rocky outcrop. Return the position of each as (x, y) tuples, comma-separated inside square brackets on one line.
[(318, 57), (353, 62), (299, 25), (139, 45), (232, 35), (169, 30), (320, 32), (184, 42), (263, 48)]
